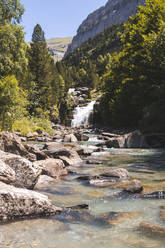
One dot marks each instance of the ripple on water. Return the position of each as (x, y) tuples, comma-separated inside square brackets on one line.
[(51, 233)]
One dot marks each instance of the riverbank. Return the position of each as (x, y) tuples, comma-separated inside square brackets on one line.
[(74, 180)]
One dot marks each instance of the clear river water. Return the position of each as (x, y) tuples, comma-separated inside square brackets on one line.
[(65, 232)]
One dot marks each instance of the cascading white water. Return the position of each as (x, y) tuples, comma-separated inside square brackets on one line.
[(81, 115)]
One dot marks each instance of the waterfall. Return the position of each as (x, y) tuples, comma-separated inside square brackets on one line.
[(81, 115)]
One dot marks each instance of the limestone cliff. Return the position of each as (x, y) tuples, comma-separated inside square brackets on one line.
[(114, 12)]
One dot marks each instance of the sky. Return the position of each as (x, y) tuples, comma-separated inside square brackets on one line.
[(58, 18)]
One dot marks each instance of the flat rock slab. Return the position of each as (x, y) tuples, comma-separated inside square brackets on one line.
[(16, 203)]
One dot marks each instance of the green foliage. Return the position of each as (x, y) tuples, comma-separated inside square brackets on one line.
[(41, 66), (85, 65), (136, 77), (38, 34), (12, 102), (10, 10), (12, 51), (27, 125)]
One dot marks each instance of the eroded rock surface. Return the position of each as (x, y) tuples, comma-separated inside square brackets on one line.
[(18, 203), (26, 172)]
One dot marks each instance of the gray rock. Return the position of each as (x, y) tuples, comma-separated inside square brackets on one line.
[(118, 173), (51, 167), (114, 12), (131, 140), (57, 150), (18, 203), (81, 137), (43, 182), (26, 172), (70, 138), (134, 187), (7, 175), (12, 143)]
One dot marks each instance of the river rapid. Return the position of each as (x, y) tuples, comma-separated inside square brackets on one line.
[(67, 232)]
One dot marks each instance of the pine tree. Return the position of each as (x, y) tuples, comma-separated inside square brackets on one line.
[(41, 66), (38, 34)]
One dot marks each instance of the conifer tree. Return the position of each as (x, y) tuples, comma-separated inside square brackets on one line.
[(41, 68)]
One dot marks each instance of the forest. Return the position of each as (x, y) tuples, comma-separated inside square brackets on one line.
[(125, 64)]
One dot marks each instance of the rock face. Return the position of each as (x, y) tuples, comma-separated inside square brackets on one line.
[(57, 150), (22, 203), (7, 175), (10, 142), (131, 140), (51, 167), (114, 12), (26, 172)]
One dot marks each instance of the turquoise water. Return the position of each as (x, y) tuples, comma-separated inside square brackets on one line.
[(66, 232)]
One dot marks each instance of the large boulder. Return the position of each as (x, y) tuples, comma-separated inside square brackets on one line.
[(135, 140), (120, 173), (7, 174), (58, 150), (70, 138), (52, 167), (12, 143), (131, 140), (55, 149), (26, 172), (34, 150), (18, 203), (81, 137), (43, 182)]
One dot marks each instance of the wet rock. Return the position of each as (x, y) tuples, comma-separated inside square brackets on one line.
[(162, 214), (103, 182), (79, 207), (70, 138), (43, 182), (151, 229), (118, 173), (109, 178), (52, 167), (131, 140), (136, 140), (117, 217), (110, 135), (26, 172), (81, 137), (93, 162), (115, 143), (7, 174), (18, 203), (134, 187), (12, 143), (155, 195)]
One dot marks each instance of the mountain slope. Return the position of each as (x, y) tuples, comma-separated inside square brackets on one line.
[(114, 12), (58, 46)]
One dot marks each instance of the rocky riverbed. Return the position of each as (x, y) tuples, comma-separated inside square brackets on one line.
[(81, 182)]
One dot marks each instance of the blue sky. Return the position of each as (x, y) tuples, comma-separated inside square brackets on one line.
[(58, 18)]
